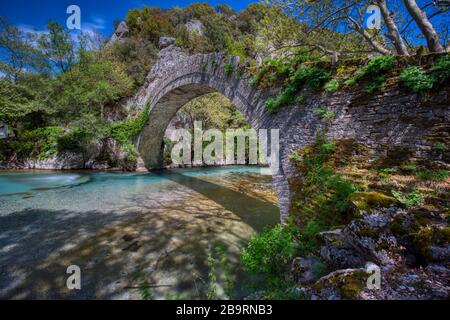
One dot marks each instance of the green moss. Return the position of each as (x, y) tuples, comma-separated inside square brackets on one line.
[(349, 285), (371, 199), (431, 235)]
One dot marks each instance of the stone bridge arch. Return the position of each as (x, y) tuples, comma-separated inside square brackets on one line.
[(381, 121), (178, 78)]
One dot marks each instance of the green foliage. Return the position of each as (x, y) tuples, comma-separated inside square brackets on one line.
[(57, 47), (137, 57), (41, 143), (90, 86), (439, 146), (150, 23), (218, 263), (313, 77), (433, 175), (307, 239), (322, 196), (375, 85), (272, 70), (409, 199), (125, 131), (228, 68), (415, 79), (332, 85), (441, 69), (376, 66), (325, 114), (270, 251), (374, 72), (212, 278), (145, 290)]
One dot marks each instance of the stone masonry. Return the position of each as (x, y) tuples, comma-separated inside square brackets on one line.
[(380, 121)]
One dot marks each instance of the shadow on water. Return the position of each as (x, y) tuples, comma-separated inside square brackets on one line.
[(255, 212), (167, 243)]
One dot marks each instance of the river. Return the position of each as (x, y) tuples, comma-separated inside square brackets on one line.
[(132, 235)]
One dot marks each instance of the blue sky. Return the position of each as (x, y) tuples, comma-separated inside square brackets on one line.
[(96, 15)]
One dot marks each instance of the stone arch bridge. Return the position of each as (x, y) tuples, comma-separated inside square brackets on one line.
[(387, 119)]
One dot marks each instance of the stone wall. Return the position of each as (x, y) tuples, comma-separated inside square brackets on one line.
[(384, 121)]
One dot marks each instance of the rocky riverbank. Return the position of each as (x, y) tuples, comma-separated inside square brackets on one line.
[(410, 250)]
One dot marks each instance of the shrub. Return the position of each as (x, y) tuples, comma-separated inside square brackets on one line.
[(375, 85), (373, 71), (376, 66), (41, 143), (125, 131), (270, 251), (307, 239), (311, 76), (441, 69), (272, 71), (332, 85), (415, 79), (325, 114)]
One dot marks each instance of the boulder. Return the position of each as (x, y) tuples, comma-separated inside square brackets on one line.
[(164, 42), (307, 270), (195, 26)]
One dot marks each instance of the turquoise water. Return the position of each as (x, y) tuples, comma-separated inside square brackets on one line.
[(121, 227)]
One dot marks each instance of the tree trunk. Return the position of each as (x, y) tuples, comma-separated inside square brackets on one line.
[(393, 32), (420, 17)]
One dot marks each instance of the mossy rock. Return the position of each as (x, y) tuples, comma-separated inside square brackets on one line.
[(349, 282), (366, 201), (429, 236)]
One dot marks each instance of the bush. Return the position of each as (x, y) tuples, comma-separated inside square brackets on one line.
[(415, 79), (41, 143), (311, 76), (125, 131), (270, 251), (325, 114), (374, 71), (376, 66), (441, 69), (332, 85), (307, 239)]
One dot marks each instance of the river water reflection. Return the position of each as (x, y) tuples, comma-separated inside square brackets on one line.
[(132, 235)]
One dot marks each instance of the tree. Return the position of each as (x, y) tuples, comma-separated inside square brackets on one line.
[(57, 47), (149, 23), (420, 17), (90, 86), (19, 55), (393, 32), (215, 111)]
